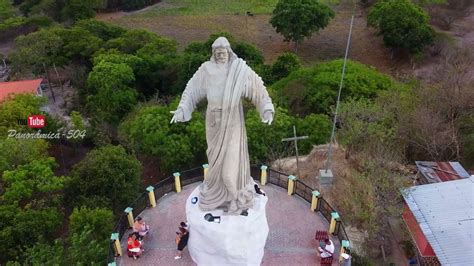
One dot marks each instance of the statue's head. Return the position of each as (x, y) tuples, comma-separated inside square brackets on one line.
[(221, 51)]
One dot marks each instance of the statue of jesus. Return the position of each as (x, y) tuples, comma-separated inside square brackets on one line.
[(224, 80)]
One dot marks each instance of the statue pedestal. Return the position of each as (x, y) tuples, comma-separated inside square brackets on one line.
[(236, 240)]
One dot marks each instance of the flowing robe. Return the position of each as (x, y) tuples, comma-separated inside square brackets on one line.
[(228, 183)]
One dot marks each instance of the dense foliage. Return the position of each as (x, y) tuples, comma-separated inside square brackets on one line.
[(177, 146), (107, 177), (88, 241), (314, 89), (30, 208), (402, 24), (299, 19)]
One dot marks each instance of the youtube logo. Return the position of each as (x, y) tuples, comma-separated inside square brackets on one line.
[(36, 121)]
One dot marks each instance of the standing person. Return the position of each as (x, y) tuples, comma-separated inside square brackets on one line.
[(133, 246), (326, 249), (182, 241), (140, 227), (224, 80)]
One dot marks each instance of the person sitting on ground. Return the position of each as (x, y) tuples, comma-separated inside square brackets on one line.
[(133, 246), (140, 227), (326, 248), (182, 241), (258, 190)]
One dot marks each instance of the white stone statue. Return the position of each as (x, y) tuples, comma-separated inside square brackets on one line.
[(224, 80)]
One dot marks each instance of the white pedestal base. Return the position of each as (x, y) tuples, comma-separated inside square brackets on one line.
[(236, 240)]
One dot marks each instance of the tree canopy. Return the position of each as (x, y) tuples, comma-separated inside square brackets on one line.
[(29, 206), (299, 19), (314, 89), (402, 24), (106, 177)]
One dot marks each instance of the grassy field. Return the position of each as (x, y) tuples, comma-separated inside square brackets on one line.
[(194, 20), (215, 7), (208, 7)]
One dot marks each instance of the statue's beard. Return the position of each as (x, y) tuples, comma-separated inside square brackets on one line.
[(221, 60)]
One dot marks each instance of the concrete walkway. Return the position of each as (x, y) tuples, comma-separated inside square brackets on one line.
[(290, 240)]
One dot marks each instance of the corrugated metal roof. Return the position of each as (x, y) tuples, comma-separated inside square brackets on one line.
[(441, 171), (445, 213)]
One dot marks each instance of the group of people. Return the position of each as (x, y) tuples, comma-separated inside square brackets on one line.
[(141, 229), (135, 239)]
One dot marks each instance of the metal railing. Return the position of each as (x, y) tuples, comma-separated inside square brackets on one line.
[(305, 192), (193, 175)]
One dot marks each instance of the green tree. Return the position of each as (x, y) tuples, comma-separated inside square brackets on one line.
[(38, 48), (6, 10), (89, 231), (177, 146), (18, 107), (402, 25), (299, 19), (78, 9), (314, 90), (317, 127), (100, 29), (264, 141), (99, 220), (30, 200), (106, 177), (79, 44), (250, 53), (43, 253), (111, 95), (132, 40), (284, 65), (88, 242), (15, 152)]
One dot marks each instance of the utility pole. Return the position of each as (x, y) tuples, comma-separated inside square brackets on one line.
[(326, 175)]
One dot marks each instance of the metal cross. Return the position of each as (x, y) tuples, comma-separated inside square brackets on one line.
[(295, 138)]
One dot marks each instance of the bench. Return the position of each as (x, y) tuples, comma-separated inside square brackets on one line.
[(321, 235), (326, 261)]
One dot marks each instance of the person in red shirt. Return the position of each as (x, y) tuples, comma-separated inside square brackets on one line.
[(134, 246)]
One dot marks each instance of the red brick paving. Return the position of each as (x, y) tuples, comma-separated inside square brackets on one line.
[(290, 240)]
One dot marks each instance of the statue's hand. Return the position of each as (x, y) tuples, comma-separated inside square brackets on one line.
[(268, 117), (178, 116)]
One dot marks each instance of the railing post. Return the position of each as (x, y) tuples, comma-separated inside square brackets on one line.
[(151, 196), (177, 182), (291, 184), (129, 213), (334, 219), (118, 249), (263, 175), (344, 247), (205, 167), (314, 200)]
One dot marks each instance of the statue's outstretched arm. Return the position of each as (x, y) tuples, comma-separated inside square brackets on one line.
[(191, 96), (257, 93)]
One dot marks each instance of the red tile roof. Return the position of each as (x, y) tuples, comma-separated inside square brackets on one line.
[(15, 87)]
